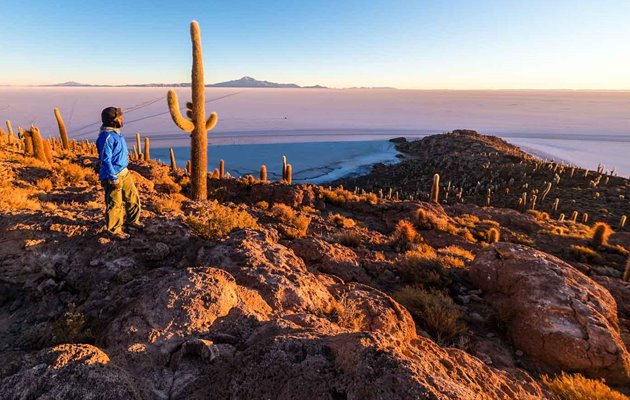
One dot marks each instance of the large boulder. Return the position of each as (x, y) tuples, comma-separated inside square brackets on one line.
[(283, 360), (331, 258), (553, 313), (68, 371)]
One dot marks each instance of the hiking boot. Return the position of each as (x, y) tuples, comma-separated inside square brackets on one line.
[(136, 225), (119, 235)]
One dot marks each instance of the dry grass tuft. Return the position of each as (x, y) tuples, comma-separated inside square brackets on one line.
[(340, 196), (405, 236), (214, 221), (172, 203), (601, 232), (346, 314), (585, 254), (67, 174), (577, 387), (348, 239), (17, 199), (294, 225), (262, 204), (434, 310), (425, 268), (341, 221), (456, 251), (44, 184)]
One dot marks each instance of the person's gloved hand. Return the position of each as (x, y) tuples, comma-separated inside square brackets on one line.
[(117, 184)]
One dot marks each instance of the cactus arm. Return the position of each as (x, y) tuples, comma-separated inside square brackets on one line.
[(212, 121), (178, 118)]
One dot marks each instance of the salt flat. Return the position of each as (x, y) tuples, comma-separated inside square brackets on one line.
[(583, 127)]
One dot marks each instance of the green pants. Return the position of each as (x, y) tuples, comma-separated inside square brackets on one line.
[(121, 201)]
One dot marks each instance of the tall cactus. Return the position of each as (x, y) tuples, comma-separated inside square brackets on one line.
[(62, 130), (138, 144), (197, 124), (289, 174), (38, 145), (147, 149), (10, 131)]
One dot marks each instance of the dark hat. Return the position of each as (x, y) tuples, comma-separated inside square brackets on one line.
[(109, 115)]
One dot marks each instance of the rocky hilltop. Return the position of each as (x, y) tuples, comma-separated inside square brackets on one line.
[(269, 290), (486, 170)]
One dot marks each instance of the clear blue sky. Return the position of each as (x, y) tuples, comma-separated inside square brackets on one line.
[(450, 44)]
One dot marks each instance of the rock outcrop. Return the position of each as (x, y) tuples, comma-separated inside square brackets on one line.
[(553, 313)]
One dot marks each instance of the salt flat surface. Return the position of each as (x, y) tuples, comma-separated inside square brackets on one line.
[(583, 127)]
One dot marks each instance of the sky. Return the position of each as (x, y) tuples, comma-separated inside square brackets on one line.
[(407, 44)]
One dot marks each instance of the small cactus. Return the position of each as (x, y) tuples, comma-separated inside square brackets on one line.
[(221, 169), (188, 167), (493, 235), (47, 151), (574, 216), (10, 131), (62, 130), (263, 173), (561, 218), (556, 202), (546, 190), (626, 272), (622, 221), (435, 189), (601, 233), (585, 218), (147, 149), (173, 163), (28, 145), (284, 168), (138, 143), (289, 174)]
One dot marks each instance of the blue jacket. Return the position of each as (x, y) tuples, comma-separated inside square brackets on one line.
[(112, 152)]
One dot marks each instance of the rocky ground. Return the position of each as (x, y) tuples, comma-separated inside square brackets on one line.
[(277, 291)]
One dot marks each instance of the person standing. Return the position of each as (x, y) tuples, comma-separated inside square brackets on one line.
[(122, 202)]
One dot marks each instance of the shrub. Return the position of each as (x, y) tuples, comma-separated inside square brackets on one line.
[(577, 387), (346, 314), (435, 312), (456, 251), (405, 236), (214, 220), (71, 327), (341, 221), (295, 226), (348, 238), (262, 204), (67, 173), (428, 220), (542, 216), (168, 204), (44, 184), (601, 232), (17, 199), (585, 254), (423, 267)]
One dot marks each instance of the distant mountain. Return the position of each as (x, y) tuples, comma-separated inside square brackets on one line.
[(70, 84), (249, 82), (244, 82)]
